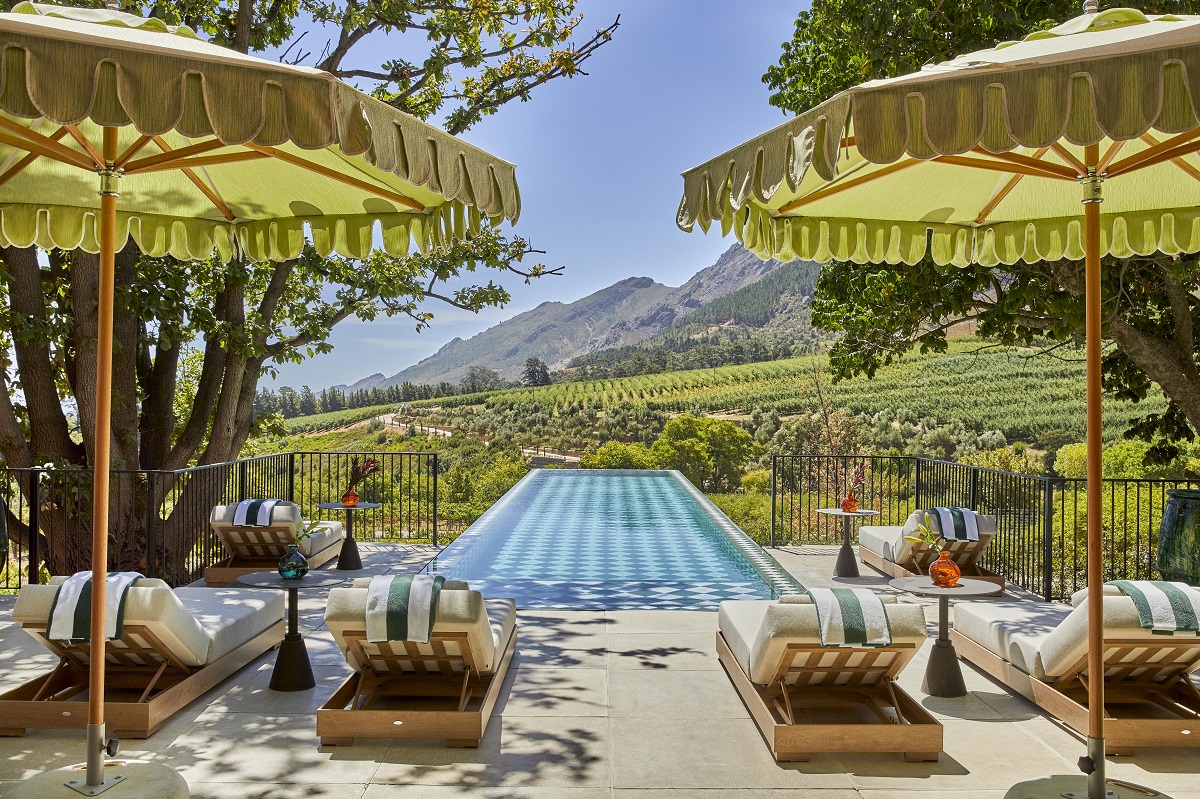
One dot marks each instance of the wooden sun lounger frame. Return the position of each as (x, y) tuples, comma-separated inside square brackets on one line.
[(1066, 697), (277, 538), (775, 706), (468, 697), (964, 553), (164, 683)]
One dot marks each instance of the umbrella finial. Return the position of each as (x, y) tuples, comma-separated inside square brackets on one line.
[(1091, 6)]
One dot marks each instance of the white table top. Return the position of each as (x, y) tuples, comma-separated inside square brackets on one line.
[(840, 512)]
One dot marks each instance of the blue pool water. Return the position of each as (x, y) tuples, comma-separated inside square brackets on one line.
[(610, 540)]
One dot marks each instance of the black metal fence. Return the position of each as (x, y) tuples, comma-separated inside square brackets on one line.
[(1041, 540), (159, 519)]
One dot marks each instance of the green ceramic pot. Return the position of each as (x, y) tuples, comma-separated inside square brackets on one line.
[(1179, 537)]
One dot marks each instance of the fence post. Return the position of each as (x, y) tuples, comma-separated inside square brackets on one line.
[(151, 522), (1048, 540), (435, 500), (291, 478), (917, 483), (243, 478), (774, 493), (973, 489), (35, 510)]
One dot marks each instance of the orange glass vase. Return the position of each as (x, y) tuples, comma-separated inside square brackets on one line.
[(944, 572), (850, 503), (350, 498)]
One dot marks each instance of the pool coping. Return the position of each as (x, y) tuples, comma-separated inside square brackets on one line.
[(775, 576)]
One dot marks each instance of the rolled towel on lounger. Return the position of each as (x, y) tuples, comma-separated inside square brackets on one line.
[(254, 512), (957, 524), (1164, 608), (71, 610), (851, 617), (402, 607)]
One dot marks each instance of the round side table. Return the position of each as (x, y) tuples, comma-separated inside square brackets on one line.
[(292, 671), (348, 559), (943, 675), (847, 565)]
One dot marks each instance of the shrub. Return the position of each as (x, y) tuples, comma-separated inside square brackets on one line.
[(757, 481), (615, 455)]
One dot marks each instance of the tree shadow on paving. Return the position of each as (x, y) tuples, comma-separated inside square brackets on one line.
[(656, 657), (533, 756)]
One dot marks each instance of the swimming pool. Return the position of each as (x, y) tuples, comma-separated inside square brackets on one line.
[(610, 539)]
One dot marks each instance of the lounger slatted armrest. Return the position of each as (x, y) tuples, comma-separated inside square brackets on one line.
[(254, 548), (885, 549), (445, 689), (1039, 650), (806, 697), (174, 646)]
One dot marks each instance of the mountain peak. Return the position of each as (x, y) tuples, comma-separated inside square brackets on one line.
[(630, 310)]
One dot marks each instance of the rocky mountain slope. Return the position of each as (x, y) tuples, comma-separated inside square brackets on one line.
[(628, 312)]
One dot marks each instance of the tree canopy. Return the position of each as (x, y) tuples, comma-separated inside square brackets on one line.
[(193, 339), (1152, 304)]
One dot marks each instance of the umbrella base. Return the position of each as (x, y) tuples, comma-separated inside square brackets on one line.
[(130, 779), (1076, 786)]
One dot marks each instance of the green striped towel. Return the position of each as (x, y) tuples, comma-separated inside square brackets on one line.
[(957, 524), (1163, 608), (71, 611), (851, 617), (402, 607), (254, 512)]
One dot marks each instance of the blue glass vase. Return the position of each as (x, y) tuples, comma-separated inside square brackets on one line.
[(293, 565)]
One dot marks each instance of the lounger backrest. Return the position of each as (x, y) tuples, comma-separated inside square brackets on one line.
[(960, 551), (1131, 651), (269, 541), (463, 636), (788, 647), (156, 627)]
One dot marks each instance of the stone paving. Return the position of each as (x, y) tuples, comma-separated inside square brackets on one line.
[(597, 705)]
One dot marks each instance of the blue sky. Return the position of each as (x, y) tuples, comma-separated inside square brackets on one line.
[(598, 161)]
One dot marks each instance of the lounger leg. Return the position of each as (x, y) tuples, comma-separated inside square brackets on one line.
[(327, 740), (462, 743), (921, 757)]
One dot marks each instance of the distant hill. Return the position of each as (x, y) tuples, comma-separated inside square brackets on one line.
[(627, 312), (772, 311)]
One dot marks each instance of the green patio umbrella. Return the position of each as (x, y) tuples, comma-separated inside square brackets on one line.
[(114, 128), (986, 160)]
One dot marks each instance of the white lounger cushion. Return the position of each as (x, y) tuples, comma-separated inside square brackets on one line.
[(198, 625), (1043, 639), (285, 514), (888, 541), (488, 623), (758, 631)]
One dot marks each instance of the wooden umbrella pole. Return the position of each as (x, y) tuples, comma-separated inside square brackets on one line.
[(101, 466), (1095, 484)]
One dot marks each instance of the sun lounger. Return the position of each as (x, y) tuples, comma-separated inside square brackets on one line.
[(174, 646), (809, 698), (885, 549), (1039, 650), (445, 689), (252, 548)]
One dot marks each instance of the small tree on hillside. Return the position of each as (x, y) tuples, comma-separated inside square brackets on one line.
[(535, 373)]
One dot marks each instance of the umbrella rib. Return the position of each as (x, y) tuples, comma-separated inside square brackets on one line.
[(33, 142), (203, 160), (1173, 147), (1107, 158), (91, 150), (1039, 169), (1187, 168), (1065, 154), (1032, 163), (133, 150), (333, 174), (1003, 191), (838, 188), (208, 192), (168, 158), (16, 168)]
